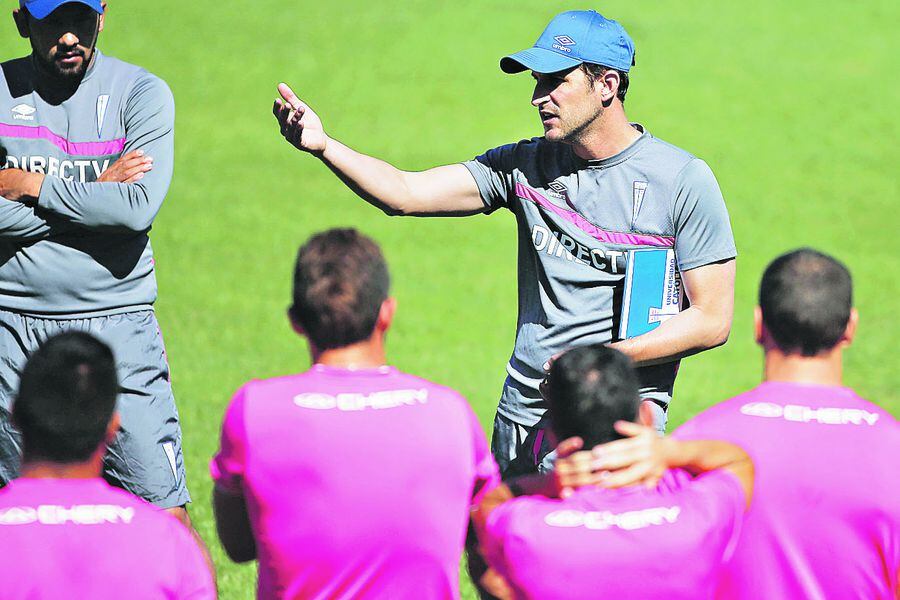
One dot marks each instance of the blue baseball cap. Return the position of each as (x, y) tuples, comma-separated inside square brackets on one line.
[(572, 38), (39, 9)]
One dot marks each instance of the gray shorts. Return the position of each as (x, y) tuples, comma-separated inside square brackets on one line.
[(523, 449), (146, 457)]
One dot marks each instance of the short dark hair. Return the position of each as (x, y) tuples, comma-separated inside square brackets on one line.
[(595, 72), (587, 390), (806, 297), (67, 395), (340, 281)]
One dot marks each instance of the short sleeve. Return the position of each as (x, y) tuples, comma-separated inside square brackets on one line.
[(721, 497), (493, 173), (195, 577), (227, 466), (496, 532), (487, 473), (702, 227)]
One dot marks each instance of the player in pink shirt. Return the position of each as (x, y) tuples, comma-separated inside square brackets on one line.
[(64, 532), (663, 536), (825, 520), (352, 479)]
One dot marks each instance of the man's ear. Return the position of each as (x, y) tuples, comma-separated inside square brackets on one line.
[(21, 18), (386, 314), (850, 330), (102, 17), (297, 327), (112, 429), (759, 329), (609, 83)]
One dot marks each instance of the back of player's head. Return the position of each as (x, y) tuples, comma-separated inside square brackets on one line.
[(67, 396), (806, 298), (587, 390), (340, 282)]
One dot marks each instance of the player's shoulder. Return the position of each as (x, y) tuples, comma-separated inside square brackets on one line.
[(255, 389), (673, 160), (718, 417), (140, 81), (16, 71), (530, 512), (434, 389), (524, 152)]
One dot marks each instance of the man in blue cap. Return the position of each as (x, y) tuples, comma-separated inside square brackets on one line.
[(590, 192), (89, 157)]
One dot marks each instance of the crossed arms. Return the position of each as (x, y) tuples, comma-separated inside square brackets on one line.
[(124, 199)]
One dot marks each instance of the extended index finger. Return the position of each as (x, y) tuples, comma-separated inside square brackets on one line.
[(290, 97)]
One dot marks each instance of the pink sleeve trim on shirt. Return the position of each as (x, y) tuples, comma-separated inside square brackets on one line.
[(73, 148), (611, 237)]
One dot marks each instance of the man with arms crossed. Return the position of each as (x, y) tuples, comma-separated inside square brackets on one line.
[(592, 188), (641, 540), (65, 532), (77, 200), (352, 479), (825, 521)]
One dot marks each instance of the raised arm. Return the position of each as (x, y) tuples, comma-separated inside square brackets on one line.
[(643, 456), (442, 191)]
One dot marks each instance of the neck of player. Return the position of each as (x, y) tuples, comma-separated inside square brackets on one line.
[(54, 88), (46, 469), (367, 354), (606, 136), (825, 368)]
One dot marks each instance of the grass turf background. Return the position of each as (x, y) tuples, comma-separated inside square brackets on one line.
[(792, 104)]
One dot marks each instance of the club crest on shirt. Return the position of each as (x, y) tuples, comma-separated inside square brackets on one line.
[(23, 112), (638, 189), (102, 103)]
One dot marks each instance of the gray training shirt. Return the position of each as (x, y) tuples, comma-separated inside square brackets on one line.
[(83, 249), (576, 220)]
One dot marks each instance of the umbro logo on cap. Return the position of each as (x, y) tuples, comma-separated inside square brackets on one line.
[(565, 40)]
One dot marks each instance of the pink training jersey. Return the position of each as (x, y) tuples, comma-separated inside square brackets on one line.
[(81, 538), (668, 542), (358, 482), (825, 517)]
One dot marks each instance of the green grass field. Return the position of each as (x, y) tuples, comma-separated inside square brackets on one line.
[(792, 104)]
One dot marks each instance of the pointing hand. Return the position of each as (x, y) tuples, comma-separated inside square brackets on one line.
[(299, 124)]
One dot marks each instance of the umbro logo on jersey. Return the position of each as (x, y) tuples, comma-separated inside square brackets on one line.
[(557, 189), (23, 112)]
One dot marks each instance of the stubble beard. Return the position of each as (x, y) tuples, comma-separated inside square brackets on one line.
[(65, 74), (575, 133)]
